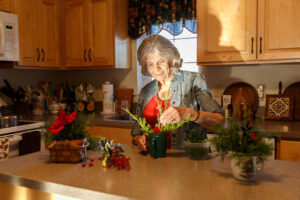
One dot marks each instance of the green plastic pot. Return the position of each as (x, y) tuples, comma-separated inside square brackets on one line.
[(158, 145)]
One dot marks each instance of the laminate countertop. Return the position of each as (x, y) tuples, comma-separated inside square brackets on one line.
[(173, 177), (284, 129)]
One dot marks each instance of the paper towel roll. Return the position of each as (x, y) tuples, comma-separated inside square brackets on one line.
[(108, 97), (108, 91)]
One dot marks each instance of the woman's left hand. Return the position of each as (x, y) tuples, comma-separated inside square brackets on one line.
[(175, 114)]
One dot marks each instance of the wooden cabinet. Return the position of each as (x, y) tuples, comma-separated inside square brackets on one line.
[(96, 34), (6, 5), (38, 32), (288, 150), (118, 135), (248, 31)]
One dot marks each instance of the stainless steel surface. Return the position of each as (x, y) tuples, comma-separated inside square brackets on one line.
[(22, 127), (54, 188), (8, 121)]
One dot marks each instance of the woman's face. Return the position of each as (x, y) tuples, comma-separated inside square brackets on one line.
[(158, 67)]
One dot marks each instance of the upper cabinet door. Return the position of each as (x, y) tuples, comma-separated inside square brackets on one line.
[(226, 30), (101, 32), (49, 32), (5, 5), (30, 53), (278, 29), (76, 33)]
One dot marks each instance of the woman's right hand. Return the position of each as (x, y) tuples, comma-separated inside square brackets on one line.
[(142, 141)]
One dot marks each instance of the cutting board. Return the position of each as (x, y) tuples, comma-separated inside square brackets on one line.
[(293, 91), (279, 107), (242, 91)]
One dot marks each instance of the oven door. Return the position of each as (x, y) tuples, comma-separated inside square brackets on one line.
[(23, 142)]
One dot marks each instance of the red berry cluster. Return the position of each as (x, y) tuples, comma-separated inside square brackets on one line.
[(90, 163), (118, 160), (254, 137)]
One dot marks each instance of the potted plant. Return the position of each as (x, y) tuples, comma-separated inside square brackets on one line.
[(245, 145), (158, 134), (197, 145), (66, 137)]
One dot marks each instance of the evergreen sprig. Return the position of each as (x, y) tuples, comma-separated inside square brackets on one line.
[(146, 128)]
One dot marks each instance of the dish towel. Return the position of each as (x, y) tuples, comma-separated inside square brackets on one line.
[(4, 148)]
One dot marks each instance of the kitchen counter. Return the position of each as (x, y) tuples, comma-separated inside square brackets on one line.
[(173, 177), (284, 129), (99, 120)]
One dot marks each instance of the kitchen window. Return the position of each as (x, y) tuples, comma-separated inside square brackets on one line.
[(186, 43)]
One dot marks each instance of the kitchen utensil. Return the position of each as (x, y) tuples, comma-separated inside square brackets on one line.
[(293, 91), (8, 121), (245, 94), (279, 107)]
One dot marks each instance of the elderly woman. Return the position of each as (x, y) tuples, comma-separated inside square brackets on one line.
[(185, 93)]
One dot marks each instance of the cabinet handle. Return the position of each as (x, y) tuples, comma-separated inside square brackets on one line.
[(43, 52), (260, 45), (252, 40), (90, 51), (38, 54), (84, 55)]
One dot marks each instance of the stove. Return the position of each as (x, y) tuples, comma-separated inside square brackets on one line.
[(24, 138), (21, 127)]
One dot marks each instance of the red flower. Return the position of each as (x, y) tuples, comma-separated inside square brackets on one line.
[(71, 117), (156, 129), (254, 137), (55, 130), (62, 120)]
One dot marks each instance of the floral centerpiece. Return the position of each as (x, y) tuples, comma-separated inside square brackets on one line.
[(65, 138), (245, 145), (158, 134)]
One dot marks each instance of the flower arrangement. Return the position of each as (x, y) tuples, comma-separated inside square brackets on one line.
[(66, 127), (195, 136), (241, 142), (158, 128), (113, 155)]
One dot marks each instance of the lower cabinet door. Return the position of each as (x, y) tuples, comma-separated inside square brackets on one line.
[(118, 135), (289, 150)]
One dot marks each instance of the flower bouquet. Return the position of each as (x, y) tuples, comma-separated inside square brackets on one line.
[(246, 146), (113, 155), (158, 134), (66, 137)]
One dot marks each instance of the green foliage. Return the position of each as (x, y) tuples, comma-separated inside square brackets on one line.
[(146, 128), (196, 136), (75, 130), (241, 141)]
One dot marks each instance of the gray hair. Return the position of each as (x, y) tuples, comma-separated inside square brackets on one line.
[(162, 46)]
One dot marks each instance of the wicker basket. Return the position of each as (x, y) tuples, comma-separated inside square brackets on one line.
[(67, 151)]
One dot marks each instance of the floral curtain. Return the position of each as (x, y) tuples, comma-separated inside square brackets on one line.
[(151, 16)]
